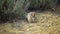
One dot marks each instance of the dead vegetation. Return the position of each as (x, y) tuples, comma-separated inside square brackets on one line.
[(48, 23)]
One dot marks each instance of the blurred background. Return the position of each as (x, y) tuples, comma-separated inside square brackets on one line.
[(12, 16), (15, 9)]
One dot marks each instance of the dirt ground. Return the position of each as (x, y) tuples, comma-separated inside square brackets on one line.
[(47, 23)]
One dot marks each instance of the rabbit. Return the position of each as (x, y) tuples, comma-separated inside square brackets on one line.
[(30, 17)]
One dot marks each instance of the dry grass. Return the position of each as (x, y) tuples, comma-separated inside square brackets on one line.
[(48, 23)]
